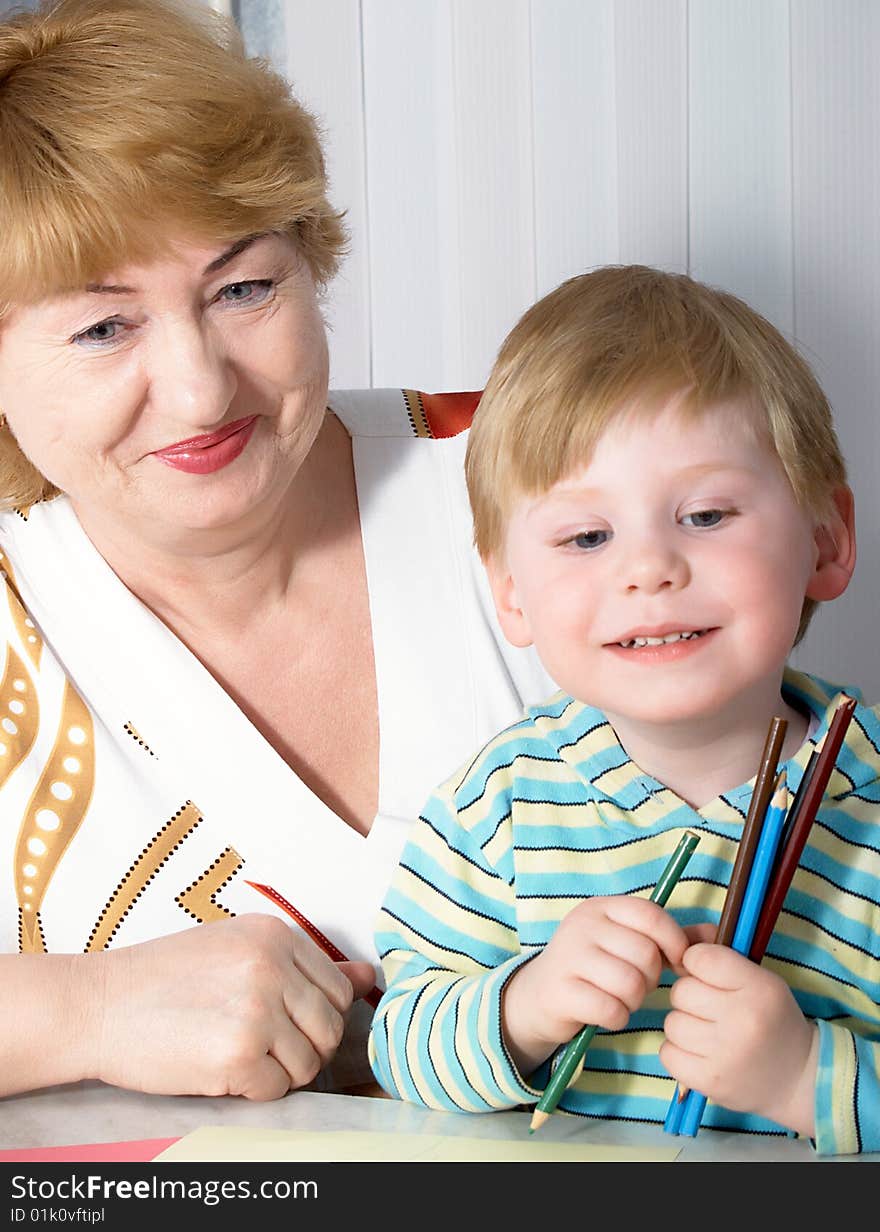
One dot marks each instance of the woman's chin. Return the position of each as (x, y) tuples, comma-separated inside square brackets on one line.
[(221, 502)]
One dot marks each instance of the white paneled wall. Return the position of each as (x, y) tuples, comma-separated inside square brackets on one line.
[(739, 160), (487, 149)]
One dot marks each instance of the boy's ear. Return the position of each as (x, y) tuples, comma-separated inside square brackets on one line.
[(836, 541), (513, 620)]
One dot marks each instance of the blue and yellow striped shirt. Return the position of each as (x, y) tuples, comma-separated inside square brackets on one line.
[(553, 811)]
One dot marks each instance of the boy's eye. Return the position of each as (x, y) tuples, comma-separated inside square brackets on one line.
[(588, 539), (704, 517)]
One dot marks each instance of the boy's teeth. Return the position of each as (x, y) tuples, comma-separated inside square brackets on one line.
[(660, 641)]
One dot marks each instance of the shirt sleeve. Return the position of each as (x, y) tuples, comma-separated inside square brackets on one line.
[(847, 1091), (448, 940)]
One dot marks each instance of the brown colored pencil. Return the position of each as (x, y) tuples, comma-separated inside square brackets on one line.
[(745, 855), (797, 804), (812, 798), (742, 865)]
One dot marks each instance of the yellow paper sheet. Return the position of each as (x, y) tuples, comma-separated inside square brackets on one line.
[(234, 1145)]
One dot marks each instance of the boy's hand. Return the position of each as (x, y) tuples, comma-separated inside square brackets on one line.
[(604, 958), (736, 1034)]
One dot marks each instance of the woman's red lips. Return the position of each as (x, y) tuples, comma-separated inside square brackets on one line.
[(208, 439), (201, 455)]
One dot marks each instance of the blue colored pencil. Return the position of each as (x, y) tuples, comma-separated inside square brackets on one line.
[(690, 1111), (762, 867)]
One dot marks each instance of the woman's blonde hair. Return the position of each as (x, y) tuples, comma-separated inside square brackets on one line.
[(624, 339), (125, 122)]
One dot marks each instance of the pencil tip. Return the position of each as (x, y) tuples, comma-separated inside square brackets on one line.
[(538, 1119), (780, 795)]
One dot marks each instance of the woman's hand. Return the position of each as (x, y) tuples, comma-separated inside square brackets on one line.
[(239, 1007), (737, 1035), (603, 960)]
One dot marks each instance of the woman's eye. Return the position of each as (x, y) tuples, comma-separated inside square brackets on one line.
[(704, 517), (251, 292), (99, 334), (589, 539)]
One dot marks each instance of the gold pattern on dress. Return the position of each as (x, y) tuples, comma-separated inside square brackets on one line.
[(416, 412), (200, 899), (132, 731), (154, 855), (30, 934), (54, 813), (20, 708), (24, 626)]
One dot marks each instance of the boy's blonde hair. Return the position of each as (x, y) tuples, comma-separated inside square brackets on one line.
[(124, 123), (626, 338)]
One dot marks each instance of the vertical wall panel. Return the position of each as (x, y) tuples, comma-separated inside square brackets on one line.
[(575, 135), (835, 47), (412, 193), (650, 50), (262, 27), (493, 138), (740, 151), (323, 57)]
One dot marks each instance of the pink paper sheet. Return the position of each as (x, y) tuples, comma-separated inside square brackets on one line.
[(139, 1151)]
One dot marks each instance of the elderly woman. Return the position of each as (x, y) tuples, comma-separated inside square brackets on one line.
[(244, 627)]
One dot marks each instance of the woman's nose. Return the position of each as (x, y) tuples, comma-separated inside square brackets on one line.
[(192, 379)]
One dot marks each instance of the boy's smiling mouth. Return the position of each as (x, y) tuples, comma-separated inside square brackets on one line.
[(666, 642)]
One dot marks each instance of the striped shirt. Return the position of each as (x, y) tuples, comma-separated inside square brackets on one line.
[(552, 811)]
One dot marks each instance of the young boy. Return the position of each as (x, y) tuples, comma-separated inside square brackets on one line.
[(660, 501)]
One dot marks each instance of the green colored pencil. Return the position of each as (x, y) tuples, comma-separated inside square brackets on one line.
[(576, 1047)]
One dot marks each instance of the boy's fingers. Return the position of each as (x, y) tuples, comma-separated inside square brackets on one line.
[(717, 965), (626, 982), (695, 998), (697, 934), (652, 920)]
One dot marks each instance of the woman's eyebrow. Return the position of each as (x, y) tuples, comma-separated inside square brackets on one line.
[(234, 250)]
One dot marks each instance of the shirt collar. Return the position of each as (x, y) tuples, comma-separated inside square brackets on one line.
[(583, 737)]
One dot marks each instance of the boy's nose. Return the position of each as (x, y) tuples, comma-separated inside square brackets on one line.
[(654, 569)]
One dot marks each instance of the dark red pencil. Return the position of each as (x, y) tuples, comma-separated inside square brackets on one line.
[(794, 847)]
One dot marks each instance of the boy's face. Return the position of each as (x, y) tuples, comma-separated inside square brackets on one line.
[(674, 527)]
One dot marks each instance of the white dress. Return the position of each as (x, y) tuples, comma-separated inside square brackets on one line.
[(136, 799)]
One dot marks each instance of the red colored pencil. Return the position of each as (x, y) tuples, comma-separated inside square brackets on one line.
[(331, 950), (794, 847)]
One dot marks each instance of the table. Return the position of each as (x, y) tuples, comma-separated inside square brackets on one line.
[(93, 1112), (451, 1196)]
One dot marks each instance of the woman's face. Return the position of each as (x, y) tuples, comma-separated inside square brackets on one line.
[(182, 394)]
